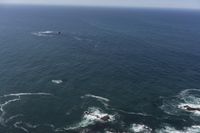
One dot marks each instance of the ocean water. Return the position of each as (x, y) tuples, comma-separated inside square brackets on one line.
[(137, 66)]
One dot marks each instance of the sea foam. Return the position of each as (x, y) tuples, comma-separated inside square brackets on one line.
[(140, 128), (176, 105), (168, 129), (92, 116), (15, 97), (96, 97), (46, 33), (57, 81)]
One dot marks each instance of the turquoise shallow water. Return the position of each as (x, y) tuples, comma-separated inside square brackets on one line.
[(139, 66)]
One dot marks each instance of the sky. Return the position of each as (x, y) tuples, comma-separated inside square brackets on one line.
[(191, 4)]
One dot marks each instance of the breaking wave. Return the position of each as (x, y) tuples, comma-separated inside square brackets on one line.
[(105, 101), (108, 119), (140, 128), (90, 117), (186, 102)]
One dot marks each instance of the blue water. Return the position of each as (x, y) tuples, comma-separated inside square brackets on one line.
[(136, 65)]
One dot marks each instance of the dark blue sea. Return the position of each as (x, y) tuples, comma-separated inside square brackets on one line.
[(99, 70)]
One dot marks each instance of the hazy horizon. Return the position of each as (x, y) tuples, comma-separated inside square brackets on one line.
[(192, 4)]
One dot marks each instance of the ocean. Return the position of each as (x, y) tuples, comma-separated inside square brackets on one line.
[(99, 70)]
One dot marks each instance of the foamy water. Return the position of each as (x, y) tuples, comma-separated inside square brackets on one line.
[(57, 81), (45, 33), (5, 119), (94, 116), (176, 105), (140, 128), (168, 129), (97, 97), (96, 62)]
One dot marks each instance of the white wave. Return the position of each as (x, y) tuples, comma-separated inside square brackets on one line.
[(41, 33), (102, 100), (8, 102), (176, 105), (109, 132), (168, 129), (15, 97), (13, 117), (27, 94), (17, 125), (92, 116), (97, 97), (3, 112), (183, 107), (140, 128), (31, 125), (188, 91), (46, 33), (57, 81)]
